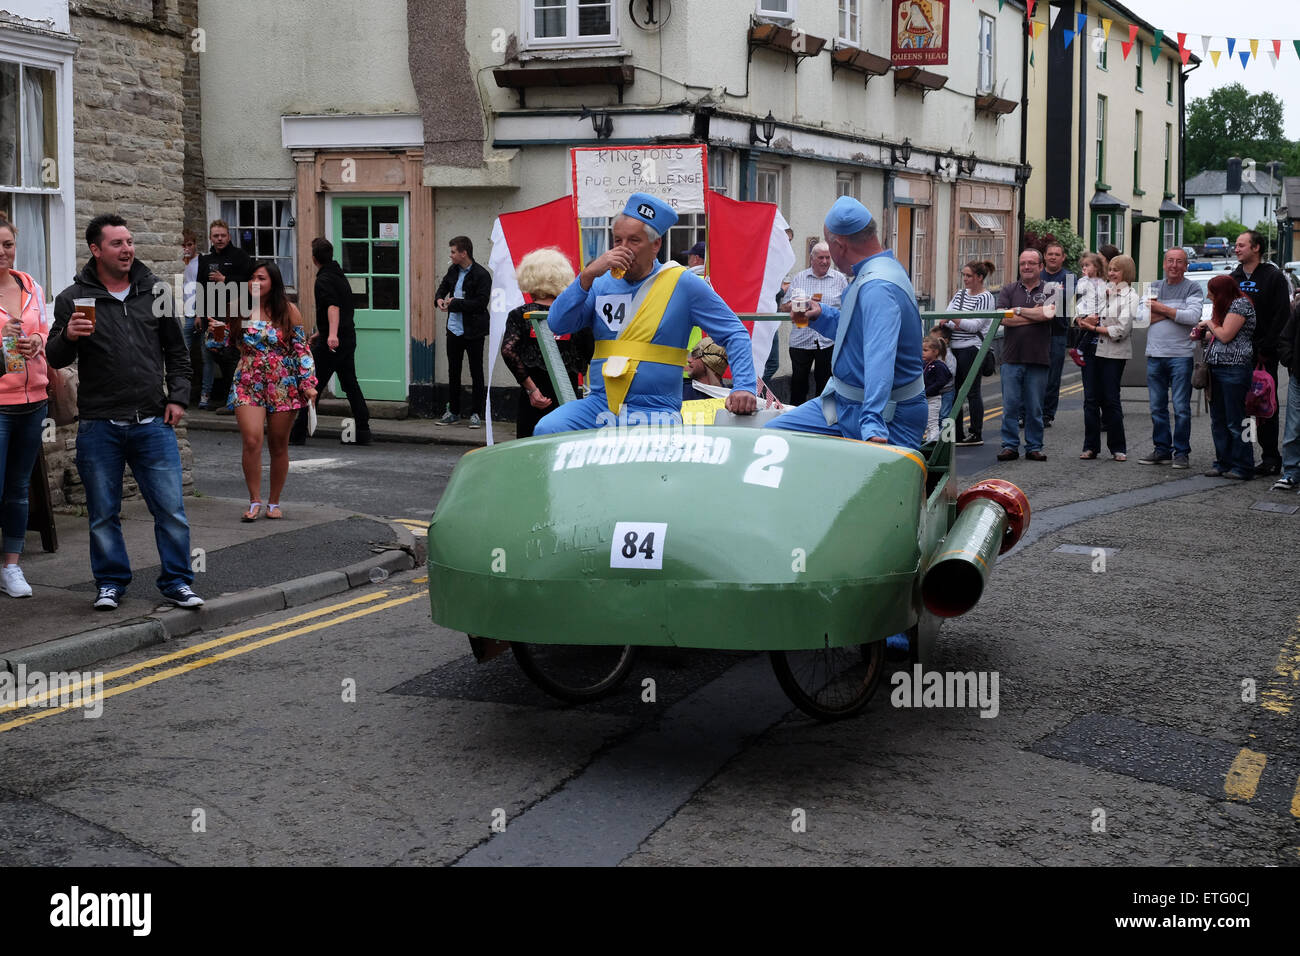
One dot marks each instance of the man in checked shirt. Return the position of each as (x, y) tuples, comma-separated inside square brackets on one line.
[(810, 351)]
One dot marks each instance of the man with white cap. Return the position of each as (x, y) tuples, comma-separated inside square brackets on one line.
[(876, 391), (641, 312)]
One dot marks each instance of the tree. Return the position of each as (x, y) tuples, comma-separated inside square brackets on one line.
[(1039, 232), (1233, 122)]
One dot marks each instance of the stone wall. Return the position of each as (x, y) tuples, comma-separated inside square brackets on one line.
[(135, 152)]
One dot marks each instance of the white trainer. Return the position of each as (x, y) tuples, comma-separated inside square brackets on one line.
[(13, 582)]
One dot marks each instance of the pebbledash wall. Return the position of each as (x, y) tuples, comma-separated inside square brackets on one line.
[(134, 153)]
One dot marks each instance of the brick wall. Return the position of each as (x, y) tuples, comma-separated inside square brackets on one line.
[(135, 152)]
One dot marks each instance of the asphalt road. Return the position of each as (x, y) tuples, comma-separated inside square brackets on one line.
[(1144, 643)]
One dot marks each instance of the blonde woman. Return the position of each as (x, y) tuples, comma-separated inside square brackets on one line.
[(1112, 322), (543, 274)]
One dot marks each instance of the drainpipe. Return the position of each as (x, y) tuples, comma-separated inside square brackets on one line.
[(1024, 137), (1084, 226), (1182, 134)]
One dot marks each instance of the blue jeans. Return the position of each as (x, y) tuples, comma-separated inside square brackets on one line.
[(1163, 374), (1228, 387), (103, 449), (1054, 367), (1291, 439), (1023, 388), (20, 443)]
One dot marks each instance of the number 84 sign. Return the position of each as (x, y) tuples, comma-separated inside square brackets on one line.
[(638, 544)]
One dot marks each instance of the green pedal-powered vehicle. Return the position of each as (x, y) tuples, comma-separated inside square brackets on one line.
[(578, 548)]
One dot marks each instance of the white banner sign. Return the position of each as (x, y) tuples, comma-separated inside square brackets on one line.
[(604, 178)]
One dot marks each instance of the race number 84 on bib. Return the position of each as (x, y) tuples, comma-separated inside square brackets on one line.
[(614, 311)]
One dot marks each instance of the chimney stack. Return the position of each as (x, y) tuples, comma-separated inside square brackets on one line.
[(1234, 175)]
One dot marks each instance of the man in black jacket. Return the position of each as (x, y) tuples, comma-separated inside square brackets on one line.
[(1270, 293), (334, 343), (124, 355), (222, 273), (464, 295)]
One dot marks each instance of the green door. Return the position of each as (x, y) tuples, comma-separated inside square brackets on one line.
[(371, 246)]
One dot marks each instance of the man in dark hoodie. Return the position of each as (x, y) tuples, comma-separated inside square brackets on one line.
[(334, 343), (124, 355)]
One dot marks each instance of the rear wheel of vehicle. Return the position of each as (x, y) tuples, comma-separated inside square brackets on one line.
[(831, 683), (576, 673)]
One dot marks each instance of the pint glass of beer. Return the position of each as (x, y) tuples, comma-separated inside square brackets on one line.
[(87, 308)]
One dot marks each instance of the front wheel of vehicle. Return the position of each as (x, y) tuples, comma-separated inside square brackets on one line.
[(577, 673), (831, 683)]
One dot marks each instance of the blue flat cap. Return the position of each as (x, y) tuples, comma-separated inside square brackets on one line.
[(651, 210), (847, 216)]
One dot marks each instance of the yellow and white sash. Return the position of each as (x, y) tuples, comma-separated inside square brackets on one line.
[(633, 346)]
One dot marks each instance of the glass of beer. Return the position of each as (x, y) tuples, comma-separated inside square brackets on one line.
[(799, 302), (87, 308), (617, 273), (219, 329)]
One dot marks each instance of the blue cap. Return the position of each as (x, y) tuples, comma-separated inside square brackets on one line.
[(847, 216), (651, 210)]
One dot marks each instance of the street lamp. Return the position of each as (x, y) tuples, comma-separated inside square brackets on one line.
[(1272, 168)]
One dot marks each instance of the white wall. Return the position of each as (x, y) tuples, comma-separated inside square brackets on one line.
[(266, 60), (50, 14)]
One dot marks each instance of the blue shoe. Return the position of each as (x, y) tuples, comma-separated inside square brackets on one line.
[(182, 596), (110, 596)]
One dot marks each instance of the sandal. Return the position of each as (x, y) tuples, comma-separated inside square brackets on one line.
[(273, 512), (1088, 456), (1119, 456), (254, 511)]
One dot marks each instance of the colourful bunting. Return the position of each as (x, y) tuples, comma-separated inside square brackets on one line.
[(1132, 32), (1254, 48), (1231, 43), (1214, 57), (1105, 28), (1205, 45), (1127, 47), (1029, 9), (1052, 14), (1182, 40), (1155, 47), (1069, 38), (1038, 27), (1297, 47), (1277, 51), (1245, 58), (1081, 23), (1000, 2), (1272, 58), (1184, 54)]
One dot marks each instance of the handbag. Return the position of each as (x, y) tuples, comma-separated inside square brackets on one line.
[(1200, 370), (989, 366), (1261, 400), (62, 395)]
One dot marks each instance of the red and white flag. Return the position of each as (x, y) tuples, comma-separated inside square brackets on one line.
[(748, 256), (514, 235)]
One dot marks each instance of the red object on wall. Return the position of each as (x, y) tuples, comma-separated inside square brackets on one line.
[(920, 32)]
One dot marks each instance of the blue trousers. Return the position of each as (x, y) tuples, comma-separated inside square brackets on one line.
[(907, 428), (1055, 365), (20, 443), (1164, 375), (592, 412), (1022, 395), (1291, 440), (1228, 387), (103, 450)]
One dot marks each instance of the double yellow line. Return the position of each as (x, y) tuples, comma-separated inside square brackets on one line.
[(994, 411), (1242, 779), (365, 605)]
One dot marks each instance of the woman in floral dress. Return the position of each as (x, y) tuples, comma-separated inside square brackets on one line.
[(275, 377)]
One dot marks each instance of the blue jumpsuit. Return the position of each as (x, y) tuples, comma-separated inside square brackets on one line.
[(655, 395), (880, 352)]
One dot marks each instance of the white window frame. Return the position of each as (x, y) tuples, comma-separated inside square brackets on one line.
[(986, 62), (1171, 236), (767, 9), (1169, 81), (764, 170), (217, 200), (722, 172), (850, 10), (848, 183), (1169, 135), (1100, 153), (570, 39), (54, 53), (1108, 235), (1103, 57), (1137, 150)]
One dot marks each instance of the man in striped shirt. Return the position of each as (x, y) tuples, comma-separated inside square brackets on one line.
[(810, 352)]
